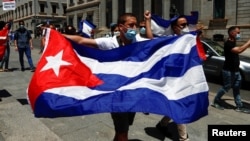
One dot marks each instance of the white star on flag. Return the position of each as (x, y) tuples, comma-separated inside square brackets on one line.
[(54, 62)]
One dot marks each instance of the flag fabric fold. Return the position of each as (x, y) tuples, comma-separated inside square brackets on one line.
[(160, 26), (161, 76), (3, 41), (86, 28)]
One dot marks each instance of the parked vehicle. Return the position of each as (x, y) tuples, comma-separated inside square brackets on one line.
[(215, 59)]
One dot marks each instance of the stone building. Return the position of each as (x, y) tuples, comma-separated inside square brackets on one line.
[(35, 12), (215, 15)]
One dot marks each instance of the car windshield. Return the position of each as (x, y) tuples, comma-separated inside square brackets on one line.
[(216, 46)]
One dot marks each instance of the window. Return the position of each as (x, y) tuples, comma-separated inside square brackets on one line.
[(42, 6), (31, 9), (19, 12), (89, 17), (80, 1), (138, 9), (54, 9), (219, 9), (64, 9), (156, 7), (22, 9), (71, 3), (121, 7), (26, 9), (79, 19), (70, 20), (108, 12), (179, 6)]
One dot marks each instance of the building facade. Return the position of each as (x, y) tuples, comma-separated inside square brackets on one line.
[(35, 12), (215, 15)]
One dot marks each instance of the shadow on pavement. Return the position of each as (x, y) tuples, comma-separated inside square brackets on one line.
[(13, 69), (227, 105), (23, 101), (4, 93), (160, 135)]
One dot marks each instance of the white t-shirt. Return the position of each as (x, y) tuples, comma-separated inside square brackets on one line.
[(110, 42), (139, 38), (106, 43)]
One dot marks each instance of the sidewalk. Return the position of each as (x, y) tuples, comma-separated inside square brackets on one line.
[(17, 122)]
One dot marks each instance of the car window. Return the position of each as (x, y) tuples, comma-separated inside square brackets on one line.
[(207, 50), (211, 45), (205, 47), (217, 47)]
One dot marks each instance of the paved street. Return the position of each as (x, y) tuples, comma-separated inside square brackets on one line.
[(17, 122)]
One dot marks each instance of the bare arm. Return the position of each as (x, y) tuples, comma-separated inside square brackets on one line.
[(147, 16), (31, 43), (15, 43), (81, 40), (242, 48)]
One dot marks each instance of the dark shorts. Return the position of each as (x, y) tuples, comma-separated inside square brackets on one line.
[(122, 121)]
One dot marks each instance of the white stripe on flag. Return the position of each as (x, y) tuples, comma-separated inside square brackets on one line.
[(182, 45), (168, 88), (159, 30)]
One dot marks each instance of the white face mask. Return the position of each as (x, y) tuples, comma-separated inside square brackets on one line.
[(185, 30), (117, 33)]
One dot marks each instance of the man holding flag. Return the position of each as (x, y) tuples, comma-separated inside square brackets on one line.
[(179, 26), (127, 27), (152, 76)]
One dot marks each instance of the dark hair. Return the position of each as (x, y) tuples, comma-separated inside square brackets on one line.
[(2, 24), (112, 28), (122, 19), (174, 22), (71, 31), (21, 22), (230, 29)]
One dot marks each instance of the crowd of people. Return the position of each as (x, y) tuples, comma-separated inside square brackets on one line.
[(124, 32)]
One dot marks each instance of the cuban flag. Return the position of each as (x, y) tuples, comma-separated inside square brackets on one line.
[(161, 27), (3, 41), (162, 76), (86, 28)]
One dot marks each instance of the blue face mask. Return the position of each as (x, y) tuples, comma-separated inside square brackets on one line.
[(130, 34), (237, 36), (143, 30)]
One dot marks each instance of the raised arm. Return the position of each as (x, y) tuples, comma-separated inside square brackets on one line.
[(240, 49), (147, 16)]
